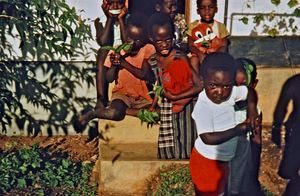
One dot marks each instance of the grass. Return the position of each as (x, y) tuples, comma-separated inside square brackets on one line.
[(176, 181)]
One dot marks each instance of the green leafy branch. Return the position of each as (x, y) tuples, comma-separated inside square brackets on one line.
[(149, 117), (125, 46), (157, 90)]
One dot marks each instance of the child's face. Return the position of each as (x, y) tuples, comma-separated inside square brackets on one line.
[(240, 78), (162, 39), (136, 35), (168, 7), (116, 4), (206, 10), (218, 85)]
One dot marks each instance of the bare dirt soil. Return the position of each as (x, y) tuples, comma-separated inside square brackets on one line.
[(82, 148)]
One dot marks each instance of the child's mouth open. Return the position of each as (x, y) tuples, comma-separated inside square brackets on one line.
[(164, 52)]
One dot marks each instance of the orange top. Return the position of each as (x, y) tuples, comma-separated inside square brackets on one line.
[(127, 82)]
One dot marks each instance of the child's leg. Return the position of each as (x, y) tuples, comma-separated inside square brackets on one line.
[(239, 166), (101, 82), (209, 176), (254, 185), (116, 111)]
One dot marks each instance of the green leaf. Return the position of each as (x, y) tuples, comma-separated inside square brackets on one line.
[(23, 169), (296, 12), (108, 48), (21, 182), (275, 2), (125, 47), (292, 3), (273, 32), (244, 20), (66, 163), (35, 145), (118, 50), (258, 18)]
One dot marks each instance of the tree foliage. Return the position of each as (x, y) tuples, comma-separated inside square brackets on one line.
[(30, 73), (282, 24)]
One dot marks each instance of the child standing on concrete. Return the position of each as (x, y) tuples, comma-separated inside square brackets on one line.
[(177, 130), (216, 126), (244, 167)]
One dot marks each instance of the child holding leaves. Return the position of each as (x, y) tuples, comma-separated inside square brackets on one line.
[(177, 130)]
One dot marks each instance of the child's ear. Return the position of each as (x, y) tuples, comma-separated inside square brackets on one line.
[(216, 10), (255, 83), (157, 7)]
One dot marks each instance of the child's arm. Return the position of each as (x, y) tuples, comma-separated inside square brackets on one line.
[(104, 35), (215, 138), (224, 46), (101, 82), (143, 73), (112, 72), (281, 110), (194, 49), (252, 108)]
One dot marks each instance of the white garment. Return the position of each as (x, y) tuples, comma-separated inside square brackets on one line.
[(116, 29), (211, 117)]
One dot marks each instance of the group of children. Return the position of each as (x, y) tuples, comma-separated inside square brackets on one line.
[(208, 112)]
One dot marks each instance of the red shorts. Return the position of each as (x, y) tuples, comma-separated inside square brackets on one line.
[(209, 176)]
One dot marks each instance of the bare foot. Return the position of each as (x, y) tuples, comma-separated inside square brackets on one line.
[(81, 122)]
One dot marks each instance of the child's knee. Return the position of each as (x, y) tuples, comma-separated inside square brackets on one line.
[(118, 114)]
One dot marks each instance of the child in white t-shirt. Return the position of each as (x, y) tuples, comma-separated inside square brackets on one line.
[(216, 126)]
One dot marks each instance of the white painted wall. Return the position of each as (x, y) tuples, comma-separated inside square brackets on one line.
[(256, 6)]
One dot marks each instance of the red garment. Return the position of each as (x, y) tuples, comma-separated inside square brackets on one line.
[(177, 78), (204, 33), (209, 176)]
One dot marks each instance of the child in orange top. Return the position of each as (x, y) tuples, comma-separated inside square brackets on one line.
[(129, 92)]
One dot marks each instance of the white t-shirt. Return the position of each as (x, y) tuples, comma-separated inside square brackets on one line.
[(211, 117)]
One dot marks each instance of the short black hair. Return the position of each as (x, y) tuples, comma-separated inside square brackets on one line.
[(241, 62), (218, 61), (139, 20), (213, 1), (157, 2), (159, 19)]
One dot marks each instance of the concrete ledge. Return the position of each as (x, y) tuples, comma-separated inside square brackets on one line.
[(130, 177), (128, 158), (125, 168)]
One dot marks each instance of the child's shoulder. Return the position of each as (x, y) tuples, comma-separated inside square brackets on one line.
[(147, 51), (193, 24)]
